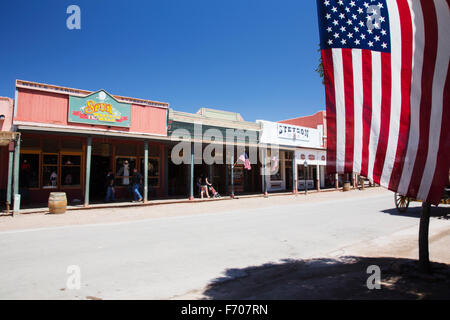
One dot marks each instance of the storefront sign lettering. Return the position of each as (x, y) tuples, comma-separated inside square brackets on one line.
[(293, 132), (99, 108)]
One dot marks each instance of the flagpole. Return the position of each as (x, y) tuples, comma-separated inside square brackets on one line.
[(264, 173), (424, 258), (232, 177)]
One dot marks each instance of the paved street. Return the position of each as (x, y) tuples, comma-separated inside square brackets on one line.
[(166, 257)]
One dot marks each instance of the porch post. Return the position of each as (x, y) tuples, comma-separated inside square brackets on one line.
[(232, 176), (226, 178), (318, 177), (145, 171), (210, 173), (264, 173), (191, 176), (337, 181), (88, 171), (16, 173), (166, 170), (10, 173), (294, 175)]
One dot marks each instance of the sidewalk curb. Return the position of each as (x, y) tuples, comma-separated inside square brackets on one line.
[(179, 201)]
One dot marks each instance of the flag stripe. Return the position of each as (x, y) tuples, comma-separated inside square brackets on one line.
[(327, 62), (386, 81), (415, 96), (358, 108), (376, 111), (439, 79), (395, 92), (339, 90), (405, 87), (347, 64), (430, 52), (440, 178), (367, 109)]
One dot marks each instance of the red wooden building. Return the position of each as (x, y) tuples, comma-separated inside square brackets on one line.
[(60, 127)]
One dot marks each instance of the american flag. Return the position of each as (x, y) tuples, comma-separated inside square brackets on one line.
[(386, 77), (244, 158)]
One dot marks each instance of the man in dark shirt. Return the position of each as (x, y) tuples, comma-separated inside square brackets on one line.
[(136, 180), (110, 191)]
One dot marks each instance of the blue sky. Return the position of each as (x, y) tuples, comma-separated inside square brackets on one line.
[(256, 57)]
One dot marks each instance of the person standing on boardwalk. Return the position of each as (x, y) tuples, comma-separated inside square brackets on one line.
[(136, 180), (204, 185), (110, 191)]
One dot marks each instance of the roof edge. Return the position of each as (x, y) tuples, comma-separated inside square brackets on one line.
[(82, 93)]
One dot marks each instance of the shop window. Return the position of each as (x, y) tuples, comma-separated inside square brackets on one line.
[(50, 159), (238, 175), (275, 170), (153, 171), (300, 172), (275, 165), (50, 171), (68, 160), (70, 170), (29, 171), (124, 170)]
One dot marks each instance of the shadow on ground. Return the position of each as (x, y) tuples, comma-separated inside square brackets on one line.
[(442, 211), (342, 278)]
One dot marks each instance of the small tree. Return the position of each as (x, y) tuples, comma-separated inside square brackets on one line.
[(319, 68)]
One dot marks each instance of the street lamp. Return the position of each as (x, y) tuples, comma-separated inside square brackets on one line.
[(305, 166)]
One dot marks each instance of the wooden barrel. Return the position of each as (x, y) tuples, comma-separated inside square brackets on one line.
[(57, 202), (346, 186)]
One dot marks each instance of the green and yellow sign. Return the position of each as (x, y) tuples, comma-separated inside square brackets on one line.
[(99, 108)]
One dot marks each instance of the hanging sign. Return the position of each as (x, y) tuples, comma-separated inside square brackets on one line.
[(287, 131), (99, 108)]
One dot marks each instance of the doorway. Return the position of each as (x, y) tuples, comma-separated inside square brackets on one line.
[(99, 169)]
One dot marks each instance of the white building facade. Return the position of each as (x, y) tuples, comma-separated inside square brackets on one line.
[(301, 158)]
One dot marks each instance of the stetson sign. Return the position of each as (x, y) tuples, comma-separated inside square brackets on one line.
[(99, 108), (293, 132)]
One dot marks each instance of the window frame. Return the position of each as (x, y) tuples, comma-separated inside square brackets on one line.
[(61, 165), (39, 154), (60, 153), (121, 177), (57, 165), (141, 170)]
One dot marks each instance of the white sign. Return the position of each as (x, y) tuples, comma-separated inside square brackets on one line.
[(287, 131)]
